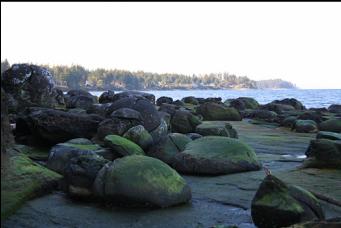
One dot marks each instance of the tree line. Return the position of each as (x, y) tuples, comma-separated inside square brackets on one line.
[(77, 76)]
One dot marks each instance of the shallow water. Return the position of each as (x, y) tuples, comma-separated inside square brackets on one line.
[(309, 97)]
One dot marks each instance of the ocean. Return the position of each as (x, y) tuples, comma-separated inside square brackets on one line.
[(311, 98)]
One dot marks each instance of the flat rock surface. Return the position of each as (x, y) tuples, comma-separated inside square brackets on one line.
[(216, 200)]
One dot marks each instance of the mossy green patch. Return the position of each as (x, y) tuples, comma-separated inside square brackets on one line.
[(23, 180), (122, 145), (281, 201), (217, 148)]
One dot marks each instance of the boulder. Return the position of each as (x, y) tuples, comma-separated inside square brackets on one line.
[(30, 85), (149, 115), (160, 132), (184, 122), (276, 204), (78, 98), (242, 103), (214, 111), (122, 146), (127, 113), (218, 128), (190, 100), (328, 223), (323, 153), (305, 126), (333, 125), (114, 126), (311, 115), (140, 136), (266, 115), (169, 108), (212, 99), (80, 173), (328, 135), (292, 102), (77, 111), (171, 145), (289, 121), (134, 94), (215, 155), (277, 107), (335, 108), (53, 126), (106, 97), (61, 154), (164, 100), (178, 103), (141, 179)]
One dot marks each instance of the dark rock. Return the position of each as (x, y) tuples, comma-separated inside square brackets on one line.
[(54, 126), (242, 103), (122, 145), (169, 108), (106, 97), (335, 108), (79, 99), (289, 121), (114, 126), (184, 122), (213, 99), (190, 100), (30, 85), (214, 111), (328, 135), (162, 100), (315, 116), (277, 107), (178, 103), (134, 94), (292, 102), (278, 205), (149, 114), (266, 115), (6, 132), (141, 179)]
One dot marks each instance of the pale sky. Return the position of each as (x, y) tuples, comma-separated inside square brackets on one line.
[(299, 42)]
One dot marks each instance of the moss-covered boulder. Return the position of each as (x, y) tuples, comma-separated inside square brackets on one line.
[(163, 99), (190, 100), (214, 155), (141, 179), (277, 205), (23, 181), (266, 115), (328, 223), (218, 128), (305, 126), (171, 145), (184, 122), (242, 103), (333, 125), (214, 111), (61, 154), (160, 132), (140, 136), (122, 145), (324, 153), (335, 108), (289, 121)]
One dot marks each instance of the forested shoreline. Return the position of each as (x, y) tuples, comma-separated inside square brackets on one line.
[(77, 76)]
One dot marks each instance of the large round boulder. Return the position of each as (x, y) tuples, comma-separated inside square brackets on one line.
[(190, 100), (292, 102), (214, 111), (278, 108), (324, 153), (218, 128), (30, 85), (78, 98), (54, 126), (184, 122), (266, 115), (242, 103), (164, 100), (305, 126), (216, 155), (149, 115), (333, 125), (122, 145), (335, 108), (141, 179), (277, 205), (171, 145), (140, 136)]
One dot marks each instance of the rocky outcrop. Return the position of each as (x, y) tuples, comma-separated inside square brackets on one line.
[(214, 111)]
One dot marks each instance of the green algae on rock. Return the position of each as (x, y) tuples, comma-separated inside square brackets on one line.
[(214, 111), (140, 136), (277, 205), (24, 179), (214, 155), (333, 125), (218, 128), (141, 179), (122, 145)]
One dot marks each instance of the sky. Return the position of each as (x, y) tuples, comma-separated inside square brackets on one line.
[(298, 42)]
